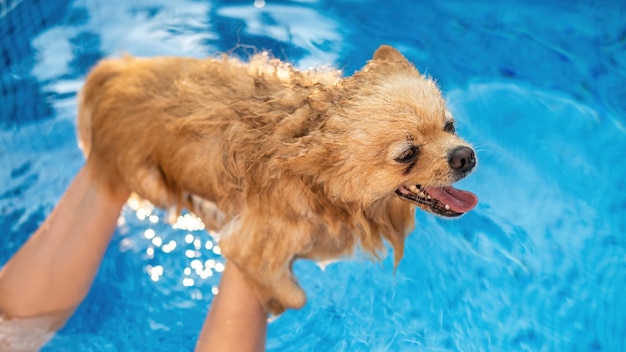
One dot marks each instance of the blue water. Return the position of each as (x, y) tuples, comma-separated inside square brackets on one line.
[(537, 86)]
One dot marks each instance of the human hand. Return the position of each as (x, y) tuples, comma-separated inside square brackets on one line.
[(106, 178)]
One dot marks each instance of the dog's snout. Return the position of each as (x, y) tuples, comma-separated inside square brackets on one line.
[(462, 159)]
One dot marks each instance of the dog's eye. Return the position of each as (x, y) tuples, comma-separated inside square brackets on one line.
[(409, 155), (449, 127)]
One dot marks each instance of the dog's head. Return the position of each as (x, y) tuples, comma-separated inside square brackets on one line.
[(424, 156), (389, 135)]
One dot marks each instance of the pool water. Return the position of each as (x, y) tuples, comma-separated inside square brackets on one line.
[(537, 87)]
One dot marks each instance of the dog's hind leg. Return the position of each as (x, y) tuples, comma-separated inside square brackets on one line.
[(149, 183)]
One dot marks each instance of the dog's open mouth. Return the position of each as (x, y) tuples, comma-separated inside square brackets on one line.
[(445, 201)]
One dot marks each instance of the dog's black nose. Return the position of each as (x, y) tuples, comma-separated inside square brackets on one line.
[(462, 159)]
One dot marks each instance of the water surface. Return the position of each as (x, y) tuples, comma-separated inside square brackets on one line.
[(538, 88)]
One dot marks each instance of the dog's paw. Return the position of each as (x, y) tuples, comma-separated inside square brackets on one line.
[(293, 296), (280, 293), (284, 298)]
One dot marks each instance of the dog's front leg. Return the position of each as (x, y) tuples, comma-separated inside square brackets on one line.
[(264, 256)]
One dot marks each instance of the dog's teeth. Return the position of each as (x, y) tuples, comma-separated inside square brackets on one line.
[(429, 197), (413, 189), (447, 207)]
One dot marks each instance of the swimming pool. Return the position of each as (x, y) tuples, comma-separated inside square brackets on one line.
[(537, 87)]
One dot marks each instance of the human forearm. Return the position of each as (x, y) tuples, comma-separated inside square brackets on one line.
[(236, 321), (54, 270)]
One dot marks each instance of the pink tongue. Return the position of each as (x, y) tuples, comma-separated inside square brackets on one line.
[(459, 201)]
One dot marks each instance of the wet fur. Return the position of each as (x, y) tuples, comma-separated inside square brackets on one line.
[(286, 164)]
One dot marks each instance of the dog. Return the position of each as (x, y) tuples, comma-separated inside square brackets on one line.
[(283, 163)]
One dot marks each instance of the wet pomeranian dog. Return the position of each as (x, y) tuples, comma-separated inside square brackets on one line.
[(284, 164)]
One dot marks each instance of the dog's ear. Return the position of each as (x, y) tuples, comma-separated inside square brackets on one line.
[(390, 54), (386, 60)]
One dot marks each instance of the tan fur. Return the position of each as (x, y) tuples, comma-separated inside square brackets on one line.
[(286, 164)]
